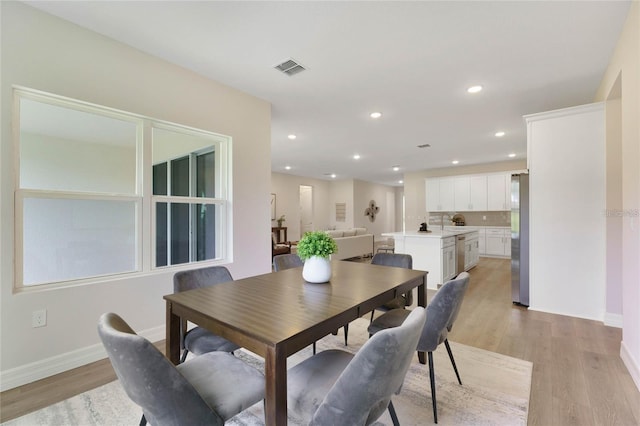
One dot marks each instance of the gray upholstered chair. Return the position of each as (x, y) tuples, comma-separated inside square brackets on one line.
[(199, 340), (441, 312), (208, 389), (399, 261), (338, 388), (286, 261)]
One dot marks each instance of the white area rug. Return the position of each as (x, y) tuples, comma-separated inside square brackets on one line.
[(495, 391)]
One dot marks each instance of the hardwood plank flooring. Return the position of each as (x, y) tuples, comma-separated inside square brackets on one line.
[(578, 376)]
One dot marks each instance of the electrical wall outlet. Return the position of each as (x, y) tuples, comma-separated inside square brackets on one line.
[(484, 218), (39, 318)]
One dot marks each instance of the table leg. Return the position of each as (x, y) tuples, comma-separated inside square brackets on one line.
[(275, 370), (172, 343), (422, 301)]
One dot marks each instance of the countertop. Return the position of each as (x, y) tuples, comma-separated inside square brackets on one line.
[(435, 233)]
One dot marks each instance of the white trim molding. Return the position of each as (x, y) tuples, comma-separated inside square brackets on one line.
[(613, 320), (60, 363), (630, 363)]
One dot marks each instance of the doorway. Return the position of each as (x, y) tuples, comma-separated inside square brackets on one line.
[(306, 209)]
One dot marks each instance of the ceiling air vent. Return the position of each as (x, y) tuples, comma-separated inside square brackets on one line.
[(290, 67), (424, 145)]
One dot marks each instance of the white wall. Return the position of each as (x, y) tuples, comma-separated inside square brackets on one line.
[(614, 204), (287, 190), (399, 209), (567, 198), (384, 196), (49, 54), (355, 194), (625, 65)]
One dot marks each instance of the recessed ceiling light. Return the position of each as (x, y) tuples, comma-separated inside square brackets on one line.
[(512, 155), (474, 89), (356, 156), (292, 136), (400, 181), (333, 175), (499, 134), (455, 162), (396, 168), (375, 114), (287, 167)]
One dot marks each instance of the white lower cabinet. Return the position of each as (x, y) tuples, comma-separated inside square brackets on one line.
[(482, 241), (448, 258), (498, 242)]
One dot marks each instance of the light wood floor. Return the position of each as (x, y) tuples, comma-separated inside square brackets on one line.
[(578, 377)]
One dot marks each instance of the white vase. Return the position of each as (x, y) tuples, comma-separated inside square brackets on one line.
[(316, 269)]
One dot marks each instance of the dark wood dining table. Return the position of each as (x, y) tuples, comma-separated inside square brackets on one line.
[(274, 315)]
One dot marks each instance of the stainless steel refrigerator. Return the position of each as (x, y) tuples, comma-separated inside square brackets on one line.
[(520, 239)]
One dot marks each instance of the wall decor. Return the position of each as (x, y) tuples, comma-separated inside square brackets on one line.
[(371, 211)]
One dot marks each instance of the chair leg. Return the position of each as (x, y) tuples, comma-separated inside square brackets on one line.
[(371, 320), (392, 413), (184, 356), (432, 377), (143, 421), (314, 348), (346, 333), (446, 344)]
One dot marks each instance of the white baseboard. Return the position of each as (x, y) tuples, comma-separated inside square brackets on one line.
[(630, 363), (34, 371), (567, 314), (613, 320)]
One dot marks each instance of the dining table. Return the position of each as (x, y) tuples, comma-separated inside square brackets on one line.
[(274, 315)]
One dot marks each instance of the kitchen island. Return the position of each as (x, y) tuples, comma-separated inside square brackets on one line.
[(443, 253)]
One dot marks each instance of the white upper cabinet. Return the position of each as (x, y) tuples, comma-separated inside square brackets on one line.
[(478, 195), (499, 192), (470, 193), (464, 193), (440, 194)]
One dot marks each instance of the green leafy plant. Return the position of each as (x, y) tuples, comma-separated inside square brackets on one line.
[(316, 243)]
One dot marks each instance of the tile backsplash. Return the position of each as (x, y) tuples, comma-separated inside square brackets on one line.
[(493, 218)]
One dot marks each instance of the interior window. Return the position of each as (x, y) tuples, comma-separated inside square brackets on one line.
[(186, 231), (79, 192)]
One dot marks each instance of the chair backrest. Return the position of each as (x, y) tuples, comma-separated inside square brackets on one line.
[(398, 260), (439, 313), (197, 278), (363, 391), (286, 261), (150, 380), (461, 276)]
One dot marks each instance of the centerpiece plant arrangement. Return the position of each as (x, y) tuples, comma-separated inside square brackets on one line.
[(315, 248)]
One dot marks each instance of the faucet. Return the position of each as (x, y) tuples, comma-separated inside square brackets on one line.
[(442, 220)]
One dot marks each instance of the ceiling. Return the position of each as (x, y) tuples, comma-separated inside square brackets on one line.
[(412, 61)]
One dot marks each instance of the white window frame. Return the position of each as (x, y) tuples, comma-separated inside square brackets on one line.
[(223, 178), (143, 197)]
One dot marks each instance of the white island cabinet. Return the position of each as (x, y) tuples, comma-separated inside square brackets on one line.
[(434, 252)]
